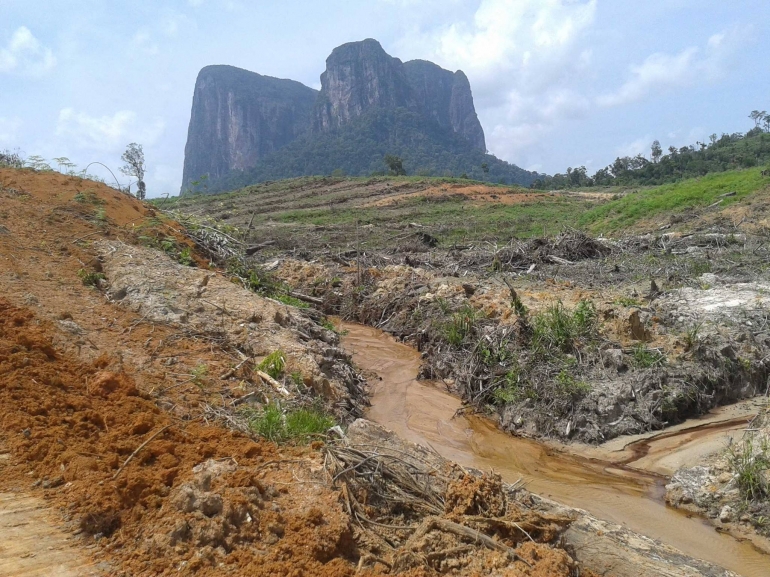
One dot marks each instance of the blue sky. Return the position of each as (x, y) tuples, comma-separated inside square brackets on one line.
[(557, 83)]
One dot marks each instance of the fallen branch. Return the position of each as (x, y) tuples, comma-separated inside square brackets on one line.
[(136, 452), (306, 298), (229, 373), (257, 247), (273, 383), (558, 260), (463, 531)]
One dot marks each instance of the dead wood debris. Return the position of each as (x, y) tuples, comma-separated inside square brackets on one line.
[(412, 514)]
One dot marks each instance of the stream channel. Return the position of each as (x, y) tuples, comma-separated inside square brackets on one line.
[(622, 481)]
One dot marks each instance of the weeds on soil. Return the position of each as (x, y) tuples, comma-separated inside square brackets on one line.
[(646, 358), (750, 460), (90, 278), (559, 329)]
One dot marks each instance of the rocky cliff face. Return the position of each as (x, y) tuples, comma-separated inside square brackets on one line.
[(446, 97), (239, 117), (360, 76)]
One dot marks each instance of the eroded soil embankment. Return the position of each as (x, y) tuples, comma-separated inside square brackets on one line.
[(195, 497), (421, 412)]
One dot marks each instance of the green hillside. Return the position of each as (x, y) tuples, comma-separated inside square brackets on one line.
[(670, 199)]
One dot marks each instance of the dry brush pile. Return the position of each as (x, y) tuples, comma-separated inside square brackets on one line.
[(414, 511)]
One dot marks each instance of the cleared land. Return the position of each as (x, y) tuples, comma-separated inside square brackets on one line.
[(576, 316)]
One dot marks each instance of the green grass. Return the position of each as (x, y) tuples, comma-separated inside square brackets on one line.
[(646, 358), (291, 301), (460, 325), (296, 425), (90, 278), (644, 204), (338, 205)]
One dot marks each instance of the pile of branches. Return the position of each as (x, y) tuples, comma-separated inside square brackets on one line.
[(573, 245), (411, 512), (217, 244), (568, 247)]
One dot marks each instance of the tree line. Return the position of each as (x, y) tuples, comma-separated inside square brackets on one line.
[(720, 153)]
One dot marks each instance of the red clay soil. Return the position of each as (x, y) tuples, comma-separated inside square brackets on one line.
[(69, 427)]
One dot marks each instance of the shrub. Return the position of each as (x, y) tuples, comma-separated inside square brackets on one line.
[(255, 279), (645, 358), (185, 257), (90, 278), (269, 423), (569, 386), (559, 329), (749, 462), (460, 325), (198, 375), (291, 301)]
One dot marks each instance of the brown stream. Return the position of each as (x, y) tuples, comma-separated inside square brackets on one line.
[(624, 489)]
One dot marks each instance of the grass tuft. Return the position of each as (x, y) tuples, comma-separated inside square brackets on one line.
[(560, 329), (749, 462), (297, 425), (90, 278)]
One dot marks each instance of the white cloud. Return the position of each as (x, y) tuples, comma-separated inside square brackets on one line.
[(661, 72), (522, 58), (143, 41), (515, 36), (24, 54), (638, 146), (9, 129), (107, 133)]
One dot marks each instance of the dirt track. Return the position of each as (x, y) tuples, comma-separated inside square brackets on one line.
[(32, 545)]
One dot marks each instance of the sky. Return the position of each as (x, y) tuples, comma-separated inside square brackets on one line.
[(556, 83)]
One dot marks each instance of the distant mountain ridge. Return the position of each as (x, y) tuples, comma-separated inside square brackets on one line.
[(246, 128)]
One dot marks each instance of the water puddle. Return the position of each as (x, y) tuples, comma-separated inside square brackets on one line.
[(624, 485)]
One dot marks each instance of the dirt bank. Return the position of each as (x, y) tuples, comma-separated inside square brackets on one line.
[(731, 485)]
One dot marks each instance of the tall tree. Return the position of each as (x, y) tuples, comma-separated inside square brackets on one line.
[(134, 159), (657, 151), (395, 164)]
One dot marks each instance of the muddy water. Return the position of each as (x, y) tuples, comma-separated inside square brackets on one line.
[(422, 412)]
